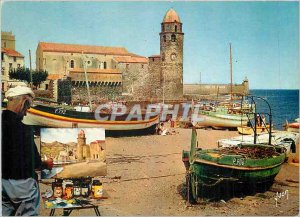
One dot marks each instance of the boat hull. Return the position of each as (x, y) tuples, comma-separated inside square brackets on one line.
[(248, 130), (47, 118), (208, 171), (293, 127), (209, 174), (222, 121)]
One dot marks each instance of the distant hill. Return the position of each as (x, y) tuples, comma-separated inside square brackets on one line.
[(72, 144), (52, 149), (58, 144)]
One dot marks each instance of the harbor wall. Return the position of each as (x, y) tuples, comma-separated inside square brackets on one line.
[(216, 89)]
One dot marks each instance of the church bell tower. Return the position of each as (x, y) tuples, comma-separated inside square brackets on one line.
[(171, 52), (81, 141)]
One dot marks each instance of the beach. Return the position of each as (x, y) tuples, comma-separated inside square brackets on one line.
[(146, 176)]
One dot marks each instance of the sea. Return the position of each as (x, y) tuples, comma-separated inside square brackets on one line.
[(284, 105)]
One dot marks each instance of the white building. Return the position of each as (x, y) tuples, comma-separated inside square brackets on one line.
[(10, 58)]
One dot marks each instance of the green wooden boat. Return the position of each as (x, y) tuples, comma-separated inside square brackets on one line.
[(247, 164)]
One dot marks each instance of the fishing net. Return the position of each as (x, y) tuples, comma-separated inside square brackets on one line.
[(258, 152)]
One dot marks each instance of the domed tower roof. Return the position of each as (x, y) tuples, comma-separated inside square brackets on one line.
[(171, 17)]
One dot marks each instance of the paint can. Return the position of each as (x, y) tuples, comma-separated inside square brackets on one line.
[(77, 189), (85, 191), (69, 191), (57, 189), (98, 189)]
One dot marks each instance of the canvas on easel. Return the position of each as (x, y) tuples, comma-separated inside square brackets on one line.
[(76, 152)]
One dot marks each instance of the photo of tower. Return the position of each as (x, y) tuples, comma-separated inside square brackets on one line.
[(75, 152)]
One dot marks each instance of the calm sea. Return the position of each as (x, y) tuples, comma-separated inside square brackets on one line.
[(284, 105)]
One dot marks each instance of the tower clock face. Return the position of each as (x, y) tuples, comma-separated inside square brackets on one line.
[(173, 56)]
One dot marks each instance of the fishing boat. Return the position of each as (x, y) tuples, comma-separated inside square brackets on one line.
[(292, 127), (246, 163), (60, 117), (245, 130), (279, 138), (223, 116)]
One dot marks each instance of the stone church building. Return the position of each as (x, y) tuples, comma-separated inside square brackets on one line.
[(94, 151), (114, 71)]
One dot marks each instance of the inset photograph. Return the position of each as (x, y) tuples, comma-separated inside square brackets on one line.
[(76, 152)]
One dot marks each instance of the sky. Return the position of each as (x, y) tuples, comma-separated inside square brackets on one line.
[(264, 35), (66, 135)]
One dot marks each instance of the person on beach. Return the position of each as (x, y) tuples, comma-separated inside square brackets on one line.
[(263, 120), (258, 120), (158, 129), (20, 158), (263, 123)]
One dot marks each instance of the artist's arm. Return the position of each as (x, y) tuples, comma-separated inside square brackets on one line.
[(47, 164), (39, 164)]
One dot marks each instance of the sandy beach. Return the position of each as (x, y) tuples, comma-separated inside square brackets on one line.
[(146, 176)]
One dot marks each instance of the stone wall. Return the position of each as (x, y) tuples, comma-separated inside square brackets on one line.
[(171, 81), (215, 89), (60, 63), (97, 93), (134, 78), (155, 77), (46, 94)]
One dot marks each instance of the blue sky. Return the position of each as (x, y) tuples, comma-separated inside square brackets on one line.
[(264, 35), (66, 135)]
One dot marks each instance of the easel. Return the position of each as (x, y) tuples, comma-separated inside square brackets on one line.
[(67, 211)]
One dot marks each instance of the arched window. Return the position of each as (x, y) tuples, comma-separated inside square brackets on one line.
[(173, 37), (165, 39), (104, 65), (72, 64), (175, 28)]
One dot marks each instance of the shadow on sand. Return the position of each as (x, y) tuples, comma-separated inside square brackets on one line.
[(130, 133), (226, 191)]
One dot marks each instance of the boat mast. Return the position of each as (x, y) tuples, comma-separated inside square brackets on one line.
[(200, 86), (30, 68), (87, 82), (230, 72)]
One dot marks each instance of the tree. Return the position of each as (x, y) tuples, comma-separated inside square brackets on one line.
[(20, 74), (39, 76), (23, 74)]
